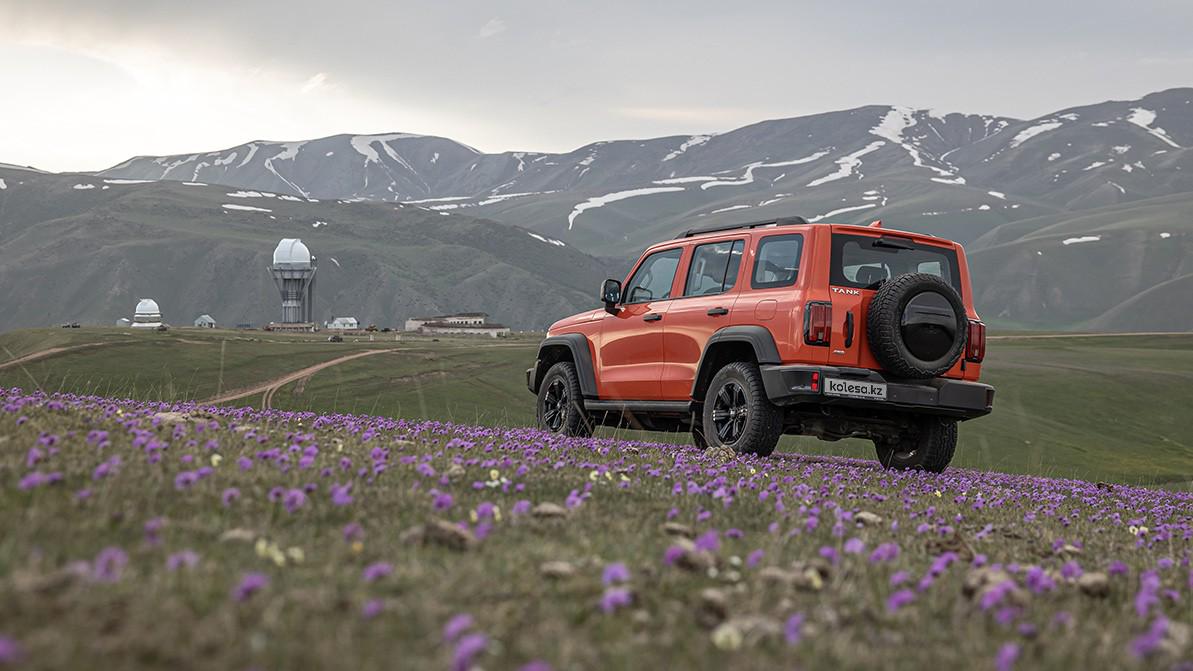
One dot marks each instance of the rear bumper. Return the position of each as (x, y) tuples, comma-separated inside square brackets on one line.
[(960, 399)]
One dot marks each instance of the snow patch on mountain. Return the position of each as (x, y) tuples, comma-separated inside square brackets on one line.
[(601, 201), (693, 141), (1081, 239), (843, 210), (1033, 131), (748, 177), (363, 144), (244, 208), (847, 164), (891, 127), (3, 186), (1144, 118), (83, 187)]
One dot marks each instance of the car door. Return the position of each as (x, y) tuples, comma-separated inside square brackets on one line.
[(631, 349), (705, 305)]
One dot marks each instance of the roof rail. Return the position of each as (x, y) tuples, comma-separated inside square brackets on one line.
[(782, 221)]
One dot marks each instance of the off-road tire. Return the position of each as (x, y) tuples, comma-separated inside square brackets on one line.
[(763, 421), (884, 321), (929, 447), (575, 420)]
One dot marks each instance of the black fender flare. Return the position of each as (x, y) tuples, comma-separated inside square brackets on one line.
[(758, 337), (577, 345)]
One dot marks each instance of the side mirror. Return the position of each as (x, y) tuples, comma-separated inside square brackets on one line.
[(610, 295)]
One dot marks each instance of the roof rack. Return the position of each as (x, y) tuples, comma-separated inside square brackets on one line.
[(782, 221)]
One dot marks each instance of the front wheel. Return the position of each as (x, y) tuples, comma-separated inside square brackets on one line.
[(929, 446), (737, 413), (560, 406)]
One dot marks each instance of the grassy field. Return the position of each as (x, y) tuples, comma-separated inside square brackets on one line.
[(1099, 408), (150, 535)]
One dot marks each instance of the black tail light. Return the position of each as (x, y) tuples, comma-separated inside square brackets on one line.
[(818, 323), (975, 342)]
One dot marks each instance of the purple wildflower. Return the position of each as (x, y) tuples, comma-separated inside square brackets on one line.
[(709, 541), (340, 494), (520, 508), (183, 559), (469, 647), (230, 494), (614, 598), (792, 629), (672, 554), (1145, 598), (377, 571), (1118, 568), (899, 599), (250, 584), (109, 565), (1071, 570), (1007, 655), (615, 573), (829, 553), (442, 501), (372, 608), (294, 499), (754, 557), (11, 652), (899, 577), (884, 552), (353, 532), (185, 479), (855, 546), (1147, 642), (456, 627)]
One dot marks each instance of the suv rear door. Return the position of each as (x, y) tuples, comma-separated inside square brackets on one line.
[(631, 341), (859, 263), (707, 294)]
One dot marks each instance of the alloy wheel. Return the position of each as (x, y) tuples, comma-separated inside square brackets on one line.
[(555, 405), (730, 412)]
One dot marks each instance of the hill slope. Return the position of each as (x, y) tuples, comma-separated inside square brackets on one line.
[(83, 248)]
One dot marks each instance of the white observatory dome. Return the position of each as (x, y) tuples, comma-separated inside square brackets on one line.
[(292, 252), (148, 307)]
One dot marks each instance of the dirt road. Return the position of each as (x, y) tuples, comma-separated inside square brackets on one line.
[(268, 389)]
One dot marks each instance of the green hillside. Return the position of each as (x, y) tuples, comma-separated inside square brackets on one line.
[(1102, 408)]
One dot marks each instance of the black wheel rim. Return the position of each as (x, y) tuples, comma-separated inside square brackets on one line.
[(555, 405), (730, 411)]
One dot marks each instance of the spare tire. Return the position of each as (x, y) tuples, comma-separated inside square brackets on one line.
[(916, 326)]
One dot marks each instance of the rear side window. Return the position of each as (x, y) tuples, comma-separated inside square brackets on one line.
[(653, 280), (714, 268), (863, 262), (777, 261)]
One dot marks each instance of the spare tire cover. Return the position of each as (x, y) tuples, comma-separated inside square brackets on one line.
[(916, 326)]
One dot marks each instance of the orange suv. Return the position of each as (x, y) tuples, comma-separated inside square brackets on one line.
[(743, 333)]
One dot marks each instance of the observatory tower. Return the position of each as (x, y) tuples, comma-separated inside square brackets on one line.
[(293, 272)]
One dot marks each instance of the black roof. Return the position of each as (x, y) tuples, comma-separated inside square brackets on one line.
[(782, 221)]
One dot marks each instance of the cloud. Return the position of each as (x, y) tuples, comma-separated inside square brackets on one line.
[(316, 81), (493, 27)]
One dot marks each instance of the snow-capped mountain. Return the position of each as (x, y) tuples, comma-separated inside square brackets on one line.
[(953, 174)]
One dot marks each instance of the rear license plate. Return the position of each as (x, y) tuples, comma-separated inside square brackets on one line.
[(874, 391)]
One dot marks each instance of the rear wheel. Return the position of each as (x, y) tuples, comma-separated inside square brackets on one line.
[(930, 447), (737, 413), (560, 403)]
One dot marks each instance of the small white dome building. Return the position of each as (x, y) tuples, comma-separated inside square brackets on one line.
[(292, 253), (148, 315)]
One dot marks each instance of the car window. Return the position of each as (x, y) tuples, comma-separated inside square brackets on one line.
[(864, 261), (652, 281), (777, 261), (714, 268)]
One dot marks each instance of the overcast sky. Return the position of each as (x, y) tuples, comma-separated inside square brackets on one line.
[(86, 84)]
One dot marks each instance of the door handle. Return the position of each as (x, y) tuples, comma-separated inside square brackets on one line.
[(652, 317), (849, 329), (716, 312)]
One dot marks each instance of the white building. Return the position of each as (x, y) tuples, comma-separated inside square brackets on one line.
[(148, 315), (464, 323), (205, 321), (343, 324)]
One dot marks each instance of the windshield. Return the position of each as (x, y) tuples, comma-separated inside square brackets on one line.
[(863, 261)]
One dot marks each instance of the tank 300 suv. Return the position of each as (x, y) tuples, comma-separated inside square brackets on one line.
[(743, 333)]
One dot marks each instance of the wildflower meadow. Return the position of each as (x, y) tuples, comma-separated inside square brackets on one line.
[(154, 535)]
